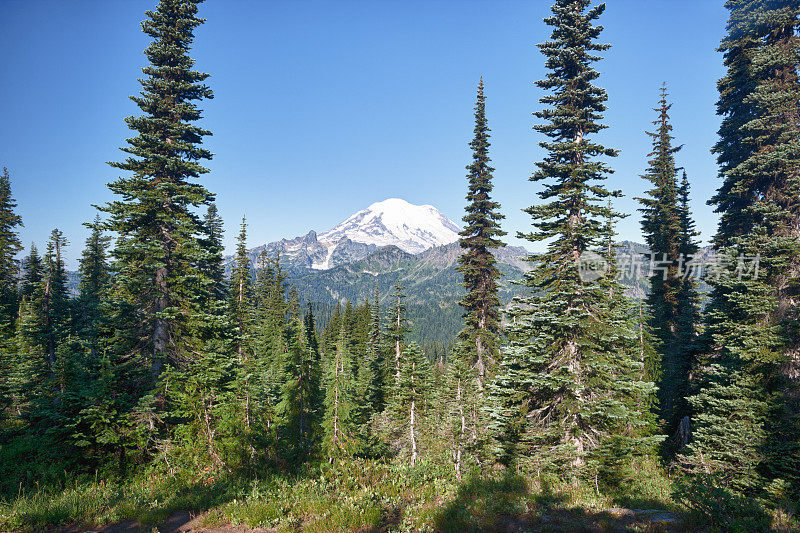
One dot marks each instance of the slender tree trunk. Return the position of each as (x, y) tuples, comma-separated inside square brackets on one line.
[(397, 350), (412, 434), (161, 329), (460, 439)]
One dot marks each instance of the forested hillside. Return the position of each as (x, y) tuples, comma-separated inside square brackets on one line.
[(402, 372)]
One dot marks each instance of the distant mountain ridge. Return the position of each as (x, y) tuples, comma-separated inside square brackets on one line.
[(412, 228), (392, 222), (393, 242)]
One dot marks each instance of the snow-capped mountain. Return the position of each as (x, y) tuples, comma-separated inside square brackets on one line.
[(412, 228), (393, 222)]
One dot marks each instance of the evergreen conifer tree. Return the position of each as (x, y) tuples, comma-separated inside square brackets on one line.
[(462, 402), (53, 299), (10, 245), (408, 403), (240, 301), (211, 265), (298, 410), (338, 424), (397, 328), (565, 388), (666, 224), (32, 272), (159, 249), (271, 343), (689, 318), (95, 280), (375, 393), (477, 264), (749, 367)]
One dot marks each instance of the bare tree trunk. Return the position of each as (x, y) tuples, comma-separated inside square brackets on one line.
[(413, 435), (161, 329), (212, 448), (460, 439), (575, 429)]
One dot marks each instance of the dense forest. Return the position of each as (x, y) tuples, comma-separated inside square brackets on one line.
[(171, 383)]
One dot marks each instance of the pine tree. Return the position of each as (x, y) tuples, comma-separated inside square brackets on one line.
[(211, 265), (689, 318), (10, 245), (666, 224), (95, 280), (338, 424), (32, 272), (477, 264), (568, 378), (53, 299), (298, 410), (159, 249), (409, 401), (240, 302), (375, 388), (753, 326), (397, 328)]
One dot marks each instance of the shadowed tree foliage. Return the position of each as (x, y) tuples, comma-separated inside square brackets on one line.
[(749, 369), (10, 246), (668, 230)]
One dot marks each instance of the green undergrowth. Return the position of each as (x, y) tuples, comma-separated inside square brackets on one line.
[(349, 496)]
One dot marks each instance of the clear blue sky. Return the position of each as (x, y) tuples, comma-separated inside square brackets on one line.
[(324, 107)]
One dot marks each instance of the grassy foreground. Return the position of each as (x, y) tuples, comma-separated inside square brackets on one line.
[(352, 496)]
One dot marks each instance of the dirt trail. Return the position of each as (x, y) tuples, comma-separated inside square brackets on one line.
[(179, 522)]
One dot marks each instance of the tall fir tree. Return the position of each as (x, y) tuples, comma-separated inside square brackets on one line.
[(690, 318), (211, 265), (298, 411), (53, 301), (375, 391), (477, 264), (10, 246), (397, 329), (29, 365), (240, 299), (474, 359), (666, 223), (338, 425), (270, 339), (408, 403), (736, 107), (159, 249), (563, 393), (95, 277), (749, 368), (31, 272)]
